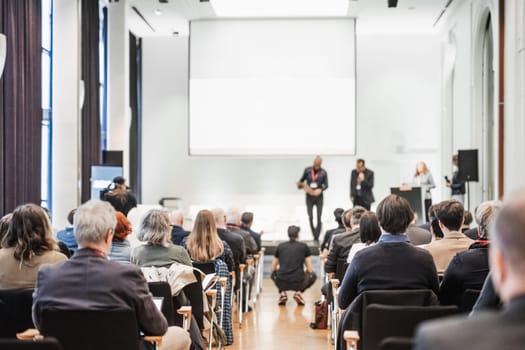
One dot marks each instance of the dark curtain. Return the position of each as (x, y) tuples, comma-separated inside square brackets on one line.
[(135, 99), (91, 153), (20, 104)]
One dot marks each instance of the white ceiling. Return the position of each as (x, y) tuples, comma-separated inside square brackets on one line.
[(374, 17)]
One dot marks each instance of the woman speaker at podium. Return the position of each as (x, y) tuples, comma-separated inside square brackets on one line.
[(423, 178)]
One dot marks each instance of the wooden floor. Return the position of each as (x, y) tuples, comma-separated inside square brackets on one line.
[(280, 327)]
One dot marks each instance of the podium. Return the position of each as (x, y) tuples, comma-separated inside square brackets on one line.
[(414, 196)]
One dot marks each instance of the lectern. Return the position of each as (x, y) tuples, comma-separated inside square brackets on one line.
[(414, 196)]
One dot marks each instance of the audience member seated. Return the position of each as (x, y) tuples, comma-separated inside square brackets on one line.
[(491, 330), (393, 263), (233, 220), (450, 218), (327, 239), (89, 281), (431, 215), (488, 298), (235, 242), (467, 220), (288, 267), (27, 245), (4, 226), (121, 248), (204, 245), (120, 197), (66, 236), (417, 235), (473, 233), (155, 229), (369, 232), (342, 242), (469, 269), (178, 233), (246, 225)]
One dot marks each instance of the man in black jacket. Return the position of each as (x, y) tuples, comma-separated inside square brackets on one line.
[(491, 330), (361, 185), (393, 263), (235, 241)]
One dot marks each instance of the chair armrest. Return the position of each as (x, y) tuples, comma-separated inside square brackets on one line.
[(351, 338), (242, 267), (213, 294), (334, 282), (330, 275), (186, 312), (29, 334), (223, 281), (155, 339)]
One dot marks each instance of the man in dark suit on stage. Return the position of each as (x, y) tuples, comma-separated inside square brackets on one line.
[(491, 330), (314, 181), (361, 184), (90, 281)]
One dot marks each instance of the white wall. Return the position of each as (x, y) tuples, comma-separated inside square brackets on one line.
[(397, 123)]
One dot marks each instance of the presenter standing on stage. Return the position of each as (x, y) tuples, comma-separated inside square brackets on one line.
[(423, 178), (314, 182), (361, 184)]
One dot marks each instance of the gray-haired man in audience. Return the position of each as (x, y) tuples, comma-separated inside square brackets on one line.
[(491, 330), (89, 281)]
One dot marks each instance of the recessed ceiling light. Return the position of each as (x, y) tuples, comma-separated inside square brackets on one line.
[(280, 8), (411, 8), (158, 12)]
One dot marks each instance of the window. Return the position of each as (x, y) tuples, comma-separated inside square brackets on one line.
[(47, 93)]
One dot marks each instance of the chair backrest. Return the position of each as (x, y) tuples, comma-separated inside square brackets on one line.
[(468, 299), (48, 343), (87, 330), (15, 311), (162, 289), (205, 266), (352, 318), (396, 343), (383, 321)]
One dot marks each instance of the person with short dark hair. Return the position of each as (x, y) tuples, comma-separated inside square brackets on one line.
[(361, 185), (491, 330), (246, 225), (292, 268), (120, 197), (450, 218), (467, 220), (469, 269), (314, 181), (369, 232), (27, 246), (66, 236), (392, 263)]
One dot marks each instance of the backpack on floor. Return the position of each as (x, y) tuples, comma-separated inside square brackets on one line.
[(321, 315)]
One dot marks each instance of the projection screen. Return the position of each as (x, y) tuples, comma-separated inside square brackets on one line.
[(272, 87)]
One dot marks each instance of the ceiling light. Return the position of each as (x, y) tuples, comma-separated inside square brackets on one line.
[(158, 12), (280, 8)]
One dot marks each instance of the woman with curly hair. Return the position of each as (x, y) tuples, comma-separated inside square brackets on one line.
[(27, 245)]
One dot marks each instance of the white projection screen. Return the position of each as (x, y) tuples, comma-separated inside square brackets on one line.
[(272, 87)]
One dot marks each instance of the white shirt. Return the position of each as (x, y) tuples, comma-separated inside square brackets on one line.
[(355, 248)]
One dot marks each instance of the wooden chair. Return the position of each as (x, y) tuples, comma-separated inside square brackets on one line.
[(247, 290), (257, 278), (351, 339), (212, 297), (335, 310), (240, 293)]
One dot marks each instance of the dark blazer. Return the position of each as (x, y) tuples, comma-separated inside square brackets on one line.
[(256, 236), (467, 270), (418, 236), (89, 281), (340, 247), (484, 331), (236, 244), (329, 234), (366, 186), (249, 242), (321, 181), (388, 265), (472, 233), (178, 234)]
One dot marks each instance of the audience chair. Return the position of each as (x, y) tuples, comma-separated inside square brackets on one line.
[(351, 339), (48, 343), (336, 312), (261, 268), (242, 267), (468, 299), (15, 311), (163, 290), (248, 288), (257, 279), (384, 321), (352, 318), (396, 343), (87, 330), (212, 297)]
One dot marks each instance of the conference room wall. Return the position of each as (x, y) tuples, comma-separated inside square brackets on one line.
[(397, 121)]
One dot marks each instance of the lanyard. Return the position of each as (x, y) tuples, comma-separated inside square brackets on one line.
[(315, 176)]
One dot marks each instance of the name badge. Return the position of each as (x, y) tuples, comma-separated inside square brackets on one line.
[(313, 185)]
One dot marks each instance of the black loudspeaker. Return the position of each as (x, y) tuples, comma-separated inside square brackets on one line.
[(468, 165), (112, 158)]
